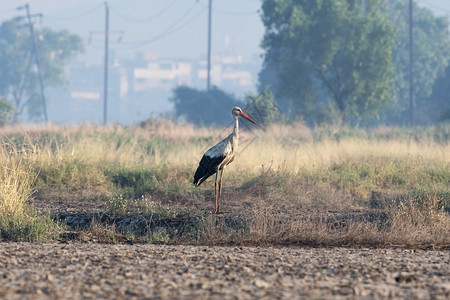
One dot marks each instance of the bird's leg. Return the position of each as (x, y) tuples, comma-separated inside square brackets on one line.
[(215, 192), (220, 191)]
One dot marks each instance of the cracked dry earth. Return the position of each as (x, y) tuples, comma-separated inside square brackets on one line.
[(87, 271)]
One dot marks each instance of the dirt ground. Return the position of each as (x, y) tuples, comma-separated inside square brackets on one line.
[(74, 270), (87, 271)]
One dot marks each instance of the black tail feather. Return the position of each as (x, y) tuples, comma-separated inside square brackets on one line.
[(207, 167), (200, 176)]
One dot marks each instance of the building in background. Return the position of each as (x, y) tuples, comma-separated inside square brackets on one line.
[(140, 87)]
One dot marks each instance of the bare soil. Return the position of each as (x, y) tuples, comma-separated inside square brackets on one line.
[(87, 271), (75, 270), (80, 213)]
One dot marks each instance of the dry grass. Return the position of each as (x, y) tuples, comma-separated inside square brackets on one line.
[(405, 225), (407, 228), (293, 146), (18, 222), (17, 178), (286, 184)]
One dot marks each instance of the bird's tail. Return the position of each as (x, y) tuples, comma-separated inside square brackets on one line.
[(201, 175)]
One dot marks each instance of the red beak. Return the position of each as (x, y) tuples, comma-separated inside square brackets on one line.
[(248, 118)]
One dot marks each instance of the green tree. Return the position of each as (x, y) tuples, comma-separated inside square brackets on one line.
[(204, 108), (6, 111), (438, 105), (431, 56), (330, 51), (263, 107), (18, 76)]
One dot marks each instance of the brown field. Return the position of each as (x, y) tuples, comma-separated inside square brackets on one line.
[(87, 271), (340, 213)]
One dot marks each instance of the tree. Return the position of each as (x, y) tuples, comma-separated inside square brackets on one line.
[(330, 51), (431, 56), (204, 108), (6, 111), (263, 107), (18, 76), (438, 104)]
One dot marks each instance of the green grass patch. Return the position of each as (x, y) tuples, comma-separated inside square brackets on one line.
[(164, 182), (30, 227), (70, 174)]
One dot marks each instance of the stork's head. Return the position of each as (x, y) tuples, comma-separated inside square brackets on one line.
[(237, 111)]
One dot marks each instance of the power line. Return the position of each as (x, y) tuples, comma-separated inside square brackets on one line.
[(174, 27), (151, 18), (232, 13), (55, 24), (167, 32), (78, 16), (174, 24), (7, 11), (436, 7), (97, 46)]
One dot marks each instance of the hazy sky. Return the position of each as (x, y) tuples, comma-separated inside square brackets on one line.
[(173, 28)]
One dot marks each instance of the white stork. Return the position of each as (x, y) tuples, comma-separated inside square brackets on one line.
[(218, 156)]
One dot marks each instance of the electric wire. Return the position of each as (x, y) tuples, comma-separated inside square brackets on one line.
[(7, 11), (174, 27), (447, 11), (151, 18), (167, 29), (78, 16), (101, 47), (247, 13), (166, 34)]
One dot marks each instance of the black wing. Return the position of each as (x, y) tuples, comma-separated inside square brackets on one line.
[(207, 167)]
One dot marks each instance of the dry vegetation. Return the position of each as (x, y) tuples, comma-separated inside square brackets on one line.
[(288, 185)]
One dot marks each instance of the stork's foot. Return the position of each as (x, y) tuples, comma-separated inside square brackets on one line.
[(219, 212)]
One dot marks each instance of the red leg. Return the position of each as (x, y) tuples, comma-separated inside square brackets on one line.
[(215, 193), (220, 191)]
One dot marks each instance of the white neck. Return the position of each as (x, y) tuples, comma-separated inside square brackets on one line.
[(236, 125)]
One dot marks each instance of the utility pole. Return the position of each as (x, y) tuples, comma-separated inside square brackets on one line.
[(105, 87), (411, 87), (208, 79), (18, 95), (36, 57), (106, 33)]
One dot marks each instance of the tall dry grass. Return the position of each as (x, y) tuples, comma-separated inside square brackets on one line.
[(18, 173), (292, 149), (293, 146), (284, 166), (358, 161), (16, 179)]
